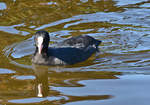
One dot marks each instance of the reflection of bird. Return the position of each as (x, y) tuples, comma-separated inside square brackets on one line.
[(77, 49), (41, 85)]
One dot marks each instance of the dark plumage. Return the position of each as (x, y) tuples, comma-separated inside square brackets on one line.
[(81, 42), (78, 49)]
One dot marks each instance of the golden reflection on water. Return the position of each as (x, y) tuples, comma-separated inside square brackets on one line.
[(125, 47), (46, 77)]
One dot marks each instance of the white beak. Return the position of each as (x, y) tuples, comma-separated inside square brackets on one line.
[(40, 46)]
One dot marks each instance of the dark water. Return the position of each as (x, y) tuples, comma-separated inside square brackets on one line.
[(120, 75)]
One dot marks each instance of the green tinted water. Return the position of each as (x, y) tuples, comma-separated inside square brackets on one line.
[(118, 76)]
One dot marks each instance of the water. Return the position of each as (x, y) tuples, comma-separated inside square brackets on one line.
[(119, 75)]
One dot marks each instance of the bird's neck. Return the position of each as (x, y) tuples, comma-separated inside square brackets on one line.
[(44, 52)]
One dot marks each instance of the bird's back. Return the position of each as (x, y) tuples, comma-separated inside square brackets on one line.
[(82, 41), (69, 55)]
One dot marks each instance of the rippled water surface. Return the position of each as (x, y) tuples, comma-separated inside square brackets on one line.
[(119, 75)]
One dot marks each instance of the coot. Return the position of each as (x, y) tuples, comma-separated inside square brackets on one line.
[(77, 49)]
